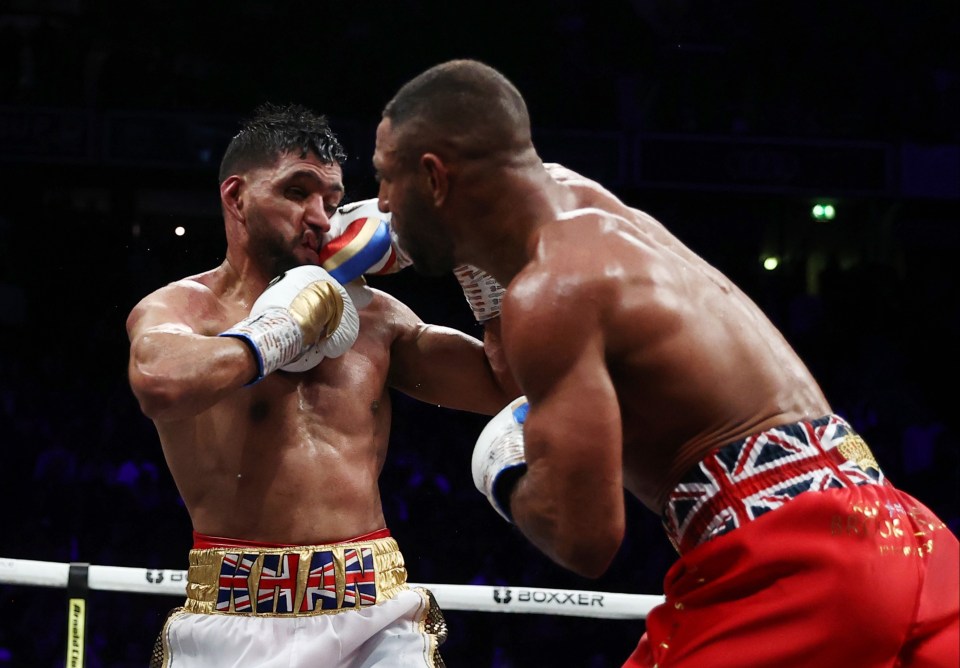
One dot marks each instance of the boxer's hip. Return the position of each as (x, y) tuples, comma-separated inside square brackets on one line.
[(739, 482)]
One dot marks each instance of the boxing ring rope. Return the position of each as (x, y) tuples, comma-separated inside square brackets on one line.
[(77, 578), (473, 598)]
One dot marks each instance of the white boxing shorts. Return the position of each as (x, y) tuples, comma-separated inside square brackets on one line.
[(340, 605)]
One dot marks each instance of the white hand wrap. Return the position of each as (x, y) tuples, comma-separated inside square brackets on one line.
[(302, 317), (482, 291), (273, 335), (498, 457)]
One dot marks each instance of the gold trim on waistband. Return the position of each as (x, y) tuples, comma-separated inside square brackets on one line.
[(294, 581)]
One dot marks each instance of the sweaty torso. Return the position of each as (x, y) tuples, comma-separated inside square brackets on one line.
[(694, 362), (294, 458)]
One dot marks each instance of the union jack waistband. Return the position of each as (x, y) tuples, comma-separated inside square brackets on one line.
[(741, 481), (294, 581)]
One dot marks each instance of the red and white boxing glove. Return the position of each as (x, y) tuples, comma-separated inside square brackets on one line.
[(482, 291), (498, 458), (361, 241), (302, 316)]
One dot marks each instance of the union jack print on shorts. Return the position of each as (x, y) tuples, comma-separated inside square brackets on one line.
[(739, 482)]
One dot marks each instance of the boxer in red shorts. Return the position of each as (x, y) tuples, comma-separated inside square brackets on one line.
[(809, 554), (645, 369)]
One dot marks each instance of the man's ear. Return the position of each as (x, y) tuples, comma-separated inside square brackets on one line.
[(437, 174), (231, 196)]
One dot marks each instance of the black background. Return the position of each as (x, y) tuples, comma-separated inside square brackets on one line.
[(726, 120)]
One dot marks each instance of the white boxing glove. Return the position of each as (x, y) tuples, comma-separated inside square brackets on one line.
[(303, 316), (483, 292), (498, 457)]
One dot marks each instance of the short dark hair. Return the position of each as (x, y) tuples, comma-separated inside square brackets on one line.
[(274, 130), (464, 103)]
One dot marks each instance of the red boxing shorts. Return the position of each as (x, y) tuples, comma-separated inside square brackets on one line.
[(817, 562)]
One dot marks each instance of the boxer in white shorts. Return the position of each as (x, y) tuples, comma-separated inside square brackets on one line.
[(269, 379)]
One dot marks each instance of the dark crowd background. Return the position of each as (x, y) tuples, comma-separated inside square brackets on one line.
[(726, 120)]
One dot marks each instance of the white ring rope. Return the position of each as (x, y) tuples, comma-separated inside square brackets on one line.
[(474, 598)]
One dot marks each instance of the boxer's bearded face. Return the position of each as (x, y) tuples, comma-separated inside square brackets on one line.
[(288, 206), (270, 247)]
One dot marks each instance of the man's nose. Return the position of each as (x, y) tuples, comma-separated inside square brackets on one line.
[(382, 202), (316, 215)]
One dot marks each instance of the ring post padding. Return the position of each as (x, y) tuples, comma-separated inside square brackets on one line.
[(77, 588)]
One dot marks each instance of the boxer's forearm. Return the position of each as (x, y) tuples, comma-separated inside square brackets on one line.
[(499, 367), (564, 525), (180, 374)]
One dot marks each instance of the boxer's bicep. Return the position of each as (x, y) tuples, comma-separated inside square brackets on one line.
[(443, 366), (570, 502), (175, 368)]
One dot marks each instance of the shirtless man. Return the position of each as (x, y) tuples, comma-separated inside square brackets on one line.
[(272, 406), (644, 369)]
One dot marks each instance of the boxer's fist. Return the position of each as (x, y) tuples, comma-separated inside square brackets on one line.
[(361, 241), (303, 316), (322, 308), (498, 458)]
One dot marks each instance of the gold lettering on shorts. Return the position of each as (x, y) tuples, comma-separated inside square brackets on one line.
[(891, 529), (890, 526), (864, 521), (856, 525), (856, 450), (852, 524), (866, 510)]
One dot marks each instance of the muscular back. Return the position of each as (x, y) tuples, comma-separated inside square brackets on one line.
[(692, 361)]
